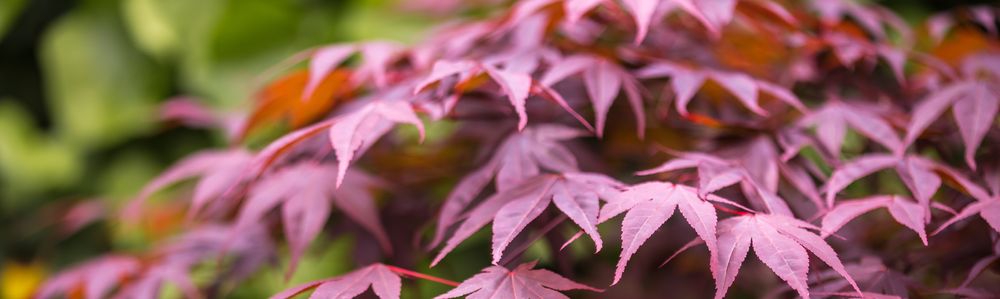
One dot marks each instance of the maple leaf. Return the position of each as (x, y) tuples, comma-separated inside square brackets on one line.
[(354, 132), (871, 17), (516, 84), (94, 279), (603, 80), (381, 278), (143, 277), (173, 262), (190, 112), (872, 275), (778, 241), (575, 194), (831, 122), (519, 157), (686, 81), (220, 172), (285, 99), (522, 282), (305, 195), (974, 104), (940, 24), (987, 205), (377, 57), (981, 265), (755, 166), (712, 14), (651, 204), (906, 212), (849, 50), (921, 176)]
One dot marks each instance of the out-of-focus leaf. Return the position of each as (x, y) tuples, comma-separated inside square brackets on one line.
[(102, 89), (30, 162), (164, 29), (283, 99), (9, 10)]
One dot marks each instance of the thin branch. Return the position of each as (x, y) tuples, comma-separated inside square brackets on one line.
[(415, 274)]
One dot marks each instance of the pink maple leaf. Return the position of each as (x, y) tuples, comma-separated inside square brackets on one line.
[(522, 282), (305, 194), (383, 281)]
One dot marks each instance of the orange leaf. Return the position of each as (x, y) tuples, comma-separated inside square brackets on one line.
[(282, 100)]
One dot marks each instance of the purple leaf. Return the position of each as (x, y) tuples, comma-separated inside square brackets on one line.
[(782, 254), (575, 9), (742, 86), (848, 210), (933, 106), (854, 170), (818, 247), (359, 129), (581, 207), (918, 176), (520, 283), (516, 86), (97, 278), (642, 13), (515, 216), (649, 205), (220, 171), (603, 85), (685, 86), (461, 197), (443, 69), (975, 113), (641, 221), (734, 243), (304, 192), (385, 283), (911, 215), (780, 242), (905, 212)]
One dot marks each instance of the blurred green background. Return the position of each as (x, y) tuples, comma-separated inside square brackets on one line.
[(81, 81)]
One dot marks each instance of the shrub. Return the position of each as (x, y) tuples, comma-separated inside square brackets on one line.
[(784, 124)]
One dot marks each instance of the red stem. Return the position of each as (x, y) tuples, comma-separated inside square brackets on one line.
[(409, 273), (728, 210)]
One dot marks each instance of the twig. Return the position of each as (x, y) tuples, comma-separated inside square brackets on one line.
[(415, 274)]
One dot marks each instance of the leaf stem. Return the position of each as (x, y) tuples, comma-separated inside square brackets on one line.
[(415, 274)]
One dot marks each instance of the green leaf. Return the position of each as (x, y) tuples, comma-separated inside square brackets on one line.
[(30, 162), (9, 11), (101, 89)]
